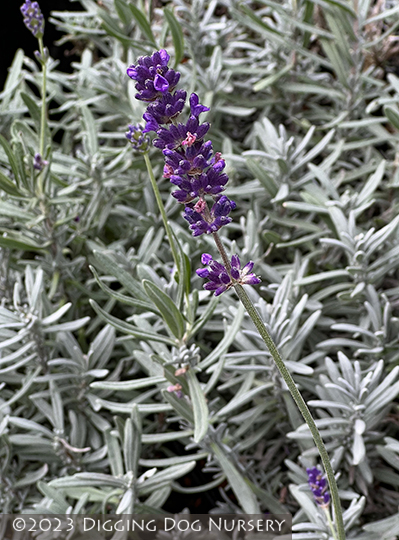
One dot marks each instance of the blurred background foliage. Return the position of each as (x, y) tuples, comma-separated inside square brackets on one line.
[(95, 329)]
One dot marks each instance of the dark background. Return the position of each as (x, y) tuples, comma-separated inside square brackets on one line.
[(14, 34)]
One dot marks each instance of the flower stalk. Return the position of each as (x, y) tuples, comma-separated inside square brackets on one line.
[(43, 114), (44, 92), (161, 207), (34, 22), (300, 402)]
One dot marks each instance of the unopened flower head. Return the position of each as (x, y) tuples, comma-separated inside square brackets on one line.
[(176, 389), (39, 163), (140, 141), (318, 485), (33, 18)]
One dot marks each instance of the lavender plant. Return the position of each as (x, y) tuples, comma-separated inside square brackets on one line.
[(163, 378), (191, 165)]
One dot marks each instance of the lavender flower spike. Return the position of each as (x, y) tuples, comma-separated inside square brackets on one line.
[(318, 485), (219, 278), (33, 18)]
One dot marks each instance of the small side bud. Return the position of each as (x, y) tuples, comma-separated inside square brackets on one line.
[(39, 163), (140, 141)]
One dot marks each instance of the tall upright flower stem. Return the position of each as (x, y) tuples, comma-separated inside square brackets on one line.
[(295, 393), (330, 523), (44, 91), (43, 112), (162, 209)]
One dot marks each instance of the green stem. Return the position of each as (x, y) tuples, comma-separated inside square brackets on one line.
[(260, 326), (330, 523), (44, 90), (162, 209), (43, 113)]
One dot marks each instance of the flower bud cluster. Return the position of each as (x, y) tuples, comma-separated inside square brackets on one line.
[(140, 141), (33, 18)]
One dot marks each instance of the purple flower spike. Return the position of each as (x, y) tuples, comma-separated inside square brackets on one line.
[(190, 162), (318, 486), (219, 278), (33, 18)]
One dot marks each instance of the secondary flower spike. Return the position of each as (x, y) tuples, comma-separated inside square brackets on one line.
[(33, 18), (318, 485), (208, 222)]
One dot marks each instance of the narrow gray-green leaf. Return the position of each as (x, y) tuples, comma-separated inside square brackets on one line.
[(167, 307), (242, 491), (200, 408)]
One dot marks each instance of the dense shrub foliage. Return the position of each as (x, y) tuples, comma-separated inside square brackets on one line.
[(126, 389)]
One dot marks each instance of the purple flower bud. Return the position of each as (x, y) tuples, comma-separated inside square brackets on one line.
[(206, 258), (176, 389), (318, 486), (39, 163), (33, 18), (39, 57), (195, 107), (135, 135)]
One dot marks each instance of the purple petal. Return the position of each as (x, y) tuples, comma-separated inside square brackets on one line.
[(247, 268), (132, 72), (206, 258), (211, 286), (161, 84), (250, 279), (202, 272), (220, 290), (235, 273), (224, 278), (164, 57), (235, 262)]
